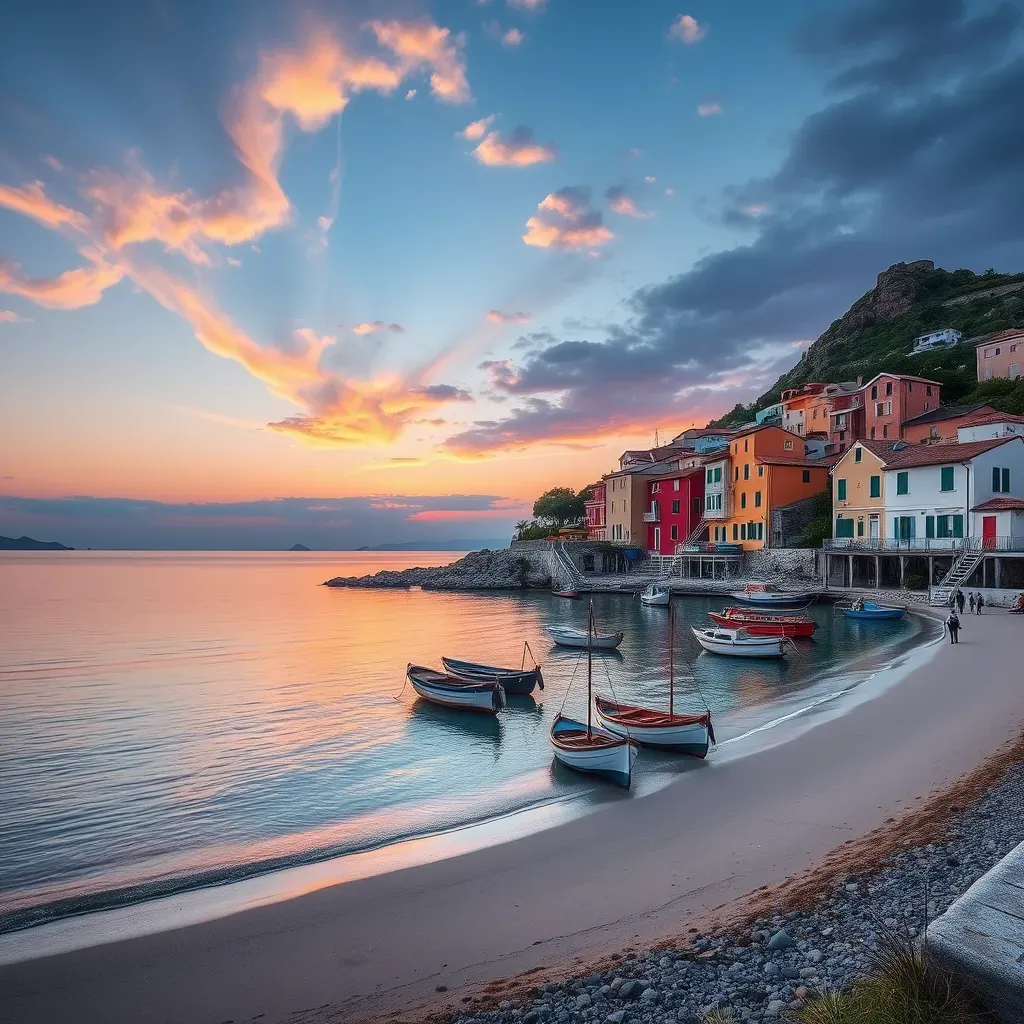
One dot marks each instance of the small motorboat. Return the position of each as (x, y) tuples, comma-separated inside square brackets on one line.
[(571, 594), (569, 636), (758, 623), (873, 610), (452, 692), (739, 643), (767, 596), (583, 747), (656, 594), (520, 681)]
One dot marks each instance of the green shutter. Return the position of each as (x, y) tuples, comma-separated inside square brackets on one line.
[(929, 526), (735, 532), (943, 526), (860, 527), (876, 487), (743, 531), (844, 527), (1006, 481), (947, 478), (841, 490), (958, 526), (902, 483), (995, 478)]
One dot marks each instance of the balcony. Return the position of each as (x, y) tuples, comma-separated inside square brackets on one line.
[(924, 545), (654, 516)]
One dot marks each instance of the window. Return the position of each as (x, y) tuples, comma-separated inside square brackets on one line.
[(655, 487), (788, 445), (874, 392), (613, 507), (746, 444), (718, 475), (888, 387), (872, 433), (1014, 371), (879, 408), (757, 499), (928, 391), (860, 527), (840, 489), (815, 416), (675, 533), (735, 532), (760, 470), (876, 487), (746, 470), (989, 353), (885, 430), (736, 448), (910, 387), (929, 526), (675, 485), (807, 476), (998, 350), (707, 502), (844, 527), (1000, 480), (710, 477), (737, 472), (743, 531), (1013, 348), (933, 433), (902, 483), (743, 500), (947, 479), (958, 526), (857, 453), (675, 508)]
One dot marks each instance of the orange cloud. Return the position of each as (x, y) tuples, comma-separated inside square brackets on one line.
[(687, 30), (423, 44), (622, 204), (8, 316), (564, 220), (477, 129), (374, 326), (496, 316), (31, 201), (71, 290), (518, 150)]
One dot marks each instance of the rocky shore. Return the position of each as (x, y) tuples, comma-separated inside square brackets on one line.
[(479, 570), (817, 937)]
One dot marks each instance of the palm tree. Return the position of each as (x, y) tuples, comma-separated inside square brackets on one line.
[(521, 528)]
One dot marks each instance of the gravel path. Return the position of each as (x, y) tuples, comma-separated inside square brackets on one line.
[(761, 972)]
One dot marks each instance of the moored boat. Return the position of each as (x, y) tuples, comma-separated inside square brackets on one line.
[(655, 594), (452, 692), (572, 594), (514, 680), (569, 636), (739, 643), (871, 610), (760, 623), (767, 596)]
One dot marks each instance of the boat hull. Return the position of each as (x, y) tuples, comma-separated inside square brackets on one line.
[(680, 734), (768, 600), (655, 599), (484, 697), (757, 647), (571, 594), (876, 614), (513, 680), (602, 641), (765, 627), (612, 759)]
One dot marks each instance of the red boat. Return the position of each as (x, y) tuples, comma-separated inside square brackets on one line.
[(764, 623)]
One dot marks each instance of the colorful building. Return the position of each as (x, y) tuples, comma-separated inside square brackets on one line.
[(938, 425), (626, 501), (858, 491), (795, 402), (596, 513), (675, 505), (999, 354), (890, 399)]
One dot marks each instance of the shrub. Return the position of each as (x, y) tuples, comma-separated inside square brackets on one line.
[(915, 581)]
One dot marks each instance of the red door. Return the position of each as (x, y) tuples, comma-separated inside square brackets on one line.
[(988, 531)]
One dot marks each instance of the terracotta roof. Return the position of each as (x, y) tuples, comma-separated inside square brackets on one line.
[(880, 449), (1000, 505), (796, 460), (981, 418), (678, 474), (761, 426), (946, 412), (995, 336), (940, 454), (900, 376)]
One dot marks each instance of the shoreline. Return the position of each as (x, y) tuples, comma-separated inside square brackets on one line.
[(635, 871)]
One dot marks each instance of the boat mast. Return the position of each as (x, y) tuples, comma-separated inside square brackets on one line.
[(590, 661), (671, 655)]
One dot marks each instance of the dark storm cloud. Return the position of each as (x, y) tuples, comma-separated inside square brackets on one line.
[(926, 167)]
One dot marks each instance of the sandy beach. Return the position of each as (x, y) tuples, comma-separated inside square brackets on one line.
[(627, 875)]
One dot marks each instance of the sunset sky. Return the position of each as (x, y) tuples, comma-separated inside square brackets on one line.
[(384, 271)]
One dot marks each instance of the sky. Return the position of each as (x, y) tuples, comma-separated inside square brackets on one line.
[(358, 273)]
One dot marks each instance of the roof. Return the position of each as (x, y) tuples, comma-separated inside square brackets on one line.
[(994, 336), (941, 454), (979, 419), (646, 467), (1000, 505), (678, 474), (796, 460), (945, 412), (901, 376), (761, 426)]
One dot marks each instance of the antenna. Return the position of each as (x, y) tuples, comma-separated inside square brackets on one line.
[(656, 442)]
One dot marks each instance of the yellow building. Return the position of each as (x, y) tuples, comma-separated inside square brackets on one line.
[(858, 491)]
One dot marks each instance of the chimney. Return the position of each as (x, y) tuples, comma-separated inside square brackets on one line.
[(860, 379)]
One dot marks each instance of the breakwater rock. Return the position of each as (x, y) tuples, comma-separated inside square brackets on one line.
[(479, 570)]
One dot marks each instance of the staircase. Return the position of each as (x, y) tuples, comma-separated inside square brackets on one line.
[(695, 534), (564, 567), (958, 574)]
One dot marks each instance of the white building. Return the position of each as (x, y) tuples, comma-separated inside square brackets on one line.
[(716, 490), (931, 491), (999, 518), (946, 338), (989, 425)]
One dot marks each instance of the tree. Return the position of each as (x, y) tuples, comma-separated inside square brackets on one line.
[(560, 506), (521, 527), (587, 492)]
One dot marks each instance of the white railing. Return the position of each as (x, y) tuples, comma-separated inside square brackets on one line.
[(937, 545), (652, 517)]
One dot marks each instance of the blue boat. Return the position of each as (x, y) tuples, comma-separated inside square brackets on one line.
[(872, 610)]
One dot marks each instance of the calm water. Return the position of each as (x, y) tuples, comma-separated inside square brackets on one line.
[(173, 720)]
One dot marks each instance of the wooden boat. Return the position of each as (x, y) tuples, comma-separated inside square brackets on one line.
[(684, 734), (871, 610), (586, 749), (569, 636), (739, 643), (758, 623), (573, 594), (766, 596), (451, 692), (656, 594), (514, 680)]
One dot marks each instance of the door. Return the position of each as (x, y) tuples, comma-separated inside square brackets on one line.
[(657, 539), (988, 531), (873, 527)]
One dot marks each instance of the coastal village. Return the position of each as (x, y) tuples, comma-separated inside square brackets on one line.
[(919, 494)]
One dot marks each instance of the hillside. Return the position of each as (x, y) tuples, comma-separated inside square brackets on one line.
[(879, 329), (30, 544)]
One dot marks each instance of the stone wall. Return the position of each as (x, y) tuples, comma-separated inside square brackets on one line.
[(790, 521), (783, 566)]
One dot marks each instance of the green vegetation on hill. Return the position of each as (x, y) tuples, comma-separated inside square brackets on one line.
[(879, 329)]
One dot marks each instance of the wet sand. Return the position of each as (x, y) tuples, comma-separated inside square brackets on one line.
[(627, 875)]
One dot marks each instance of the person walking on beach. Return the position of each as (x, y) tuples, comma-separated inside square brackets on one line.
[(953, 625), (960, 601), (972, 602), (980, 603)]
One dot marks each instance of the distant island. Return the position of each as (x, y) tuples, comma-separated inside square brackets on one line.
[(459, 544), (299, 547), (30, 544)]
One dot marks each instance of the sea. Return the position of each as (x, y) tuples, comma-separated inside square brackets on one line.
[(172, 722)]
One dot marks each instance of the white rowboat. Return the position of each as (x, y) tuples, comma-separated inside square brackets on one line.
[(594, 751), (463, 695), (738, 643), (568, 636), (655, 593), (766, 596)]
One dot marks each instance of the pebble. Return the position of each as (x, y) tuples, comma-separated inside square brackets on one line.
[(782, 959)]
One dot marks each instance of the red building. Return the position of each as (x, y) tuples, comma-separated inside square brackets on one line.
[(675, 503), (595, 518), (890, 399)]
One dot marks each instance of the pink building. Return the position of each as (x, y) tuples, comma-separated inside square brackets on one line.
[(999, 354), (595, 513), (890, 399)]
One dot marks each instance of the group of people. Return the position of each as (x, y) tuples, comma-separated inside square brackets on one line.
[(956, 608)]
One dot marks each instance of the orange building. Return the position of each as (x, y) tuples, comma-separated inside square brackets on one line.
[(768, 471), (941, 424)]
